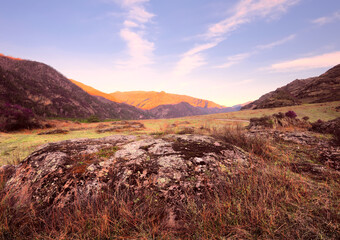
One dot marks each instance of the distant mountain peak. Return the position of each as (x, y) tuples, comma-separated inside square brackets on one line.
[(150, 99)]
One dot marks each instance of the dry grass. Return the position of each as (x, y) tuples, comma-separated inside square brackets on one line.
[(264, 201)]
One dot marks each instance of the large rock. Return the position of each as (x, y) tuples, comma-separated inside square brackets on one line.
[(56, 174)]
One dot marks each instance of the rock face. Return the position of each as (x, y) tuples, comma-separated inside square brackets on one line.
[(58, 173), (325, 88)]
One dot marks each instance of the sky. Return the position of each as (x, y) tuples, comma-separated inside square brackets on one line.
[(226, 51)]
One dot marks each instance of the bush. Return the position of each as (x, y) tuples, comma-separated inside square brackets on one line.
[(336, 136), (16, 117), (265, 121), (93, 119), (291, 114), (305, 118), (279, 115)]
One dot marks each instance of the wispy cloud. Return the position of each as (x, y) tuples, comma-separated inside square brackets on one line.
[(244, 12), (320, 61), (140, 49), (193, 59), (235, 59), (277, 43), (327, 19), (248, 10)]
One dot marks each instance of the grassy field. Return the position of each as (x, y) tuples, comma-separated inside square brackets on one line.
[(281, 196), (14, 147)]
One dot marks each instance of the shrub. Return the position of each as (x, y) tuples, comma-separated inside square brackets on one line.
[(16, 117), (265, 121), (279, 115), (291, 114), (93, 119), (306, 118), (336, 136)]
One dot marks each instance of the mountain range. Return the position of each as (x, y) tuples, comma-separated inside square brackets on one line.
[(162, 104), (48, 93), (148, 100), (324, 88)]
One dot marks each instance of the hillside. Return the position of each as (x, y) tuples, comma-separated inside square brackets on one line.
[(48, 93), (325, 88), (93, 91), (149, 100)]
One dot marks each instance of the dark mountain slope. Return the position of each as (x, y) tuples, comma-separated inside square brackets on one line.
[(184, 109), (325, 88), (39, 87)]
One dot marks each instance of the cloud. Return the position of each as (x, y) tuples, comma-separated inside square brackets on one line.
[(328, 19), (320, 61), (193, 59), (139, 49), (277, 43), (130, 24), (244, 12), (235, 59)]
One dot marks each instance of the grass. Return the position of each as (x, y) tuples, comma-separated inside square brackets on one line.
[(265, 201), (14, 147), (323, 111)]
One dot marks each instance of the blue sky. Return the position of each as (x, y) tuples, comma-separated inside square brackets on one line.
[(227, 51)]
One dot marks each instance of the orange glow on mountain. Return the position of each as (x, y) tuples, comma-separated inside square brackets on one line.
[(149, 100), (93, 91), (3, 55)]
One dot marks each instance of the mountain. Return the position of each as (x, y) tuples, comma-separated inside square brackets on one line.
[(148, 100), (184, 109), (48, 93), (93, 91), (324, 88), (190, 107)]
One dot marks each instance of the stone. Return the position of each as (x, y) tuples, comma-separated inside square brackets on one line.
[(171, 166)]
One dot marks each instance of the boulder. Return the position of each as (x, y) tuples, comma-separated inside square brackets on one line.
[(57, 174)]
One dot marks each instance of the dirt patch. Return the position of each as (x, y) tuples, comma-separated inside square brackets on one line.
[(122, 126)]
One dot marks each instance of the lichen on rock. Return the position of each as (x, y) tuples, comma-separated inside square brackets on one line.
[(58, 173)]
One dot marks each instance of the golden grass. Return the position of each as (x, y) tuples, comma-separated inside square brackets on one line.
[(265, 201), (16, 146)]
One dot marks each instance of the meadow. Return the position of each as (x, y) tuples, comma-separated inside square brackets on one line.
[(15, 146), (286, 193)]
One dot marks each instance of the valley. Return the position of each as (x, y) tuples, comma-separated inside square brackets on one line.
[(78, 163)]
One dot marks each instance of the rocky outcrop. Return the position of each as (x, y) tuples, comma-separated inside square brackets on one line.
[(278, 120), (172, 166), (325, 88)]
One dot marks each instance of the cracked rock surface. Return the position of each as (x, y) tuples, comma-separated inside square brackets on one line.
[(58, 173)]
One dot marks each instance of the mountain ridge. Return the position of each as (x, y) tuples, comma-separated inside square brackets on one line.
[(150, 99), (48, 93), (324, 88)]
